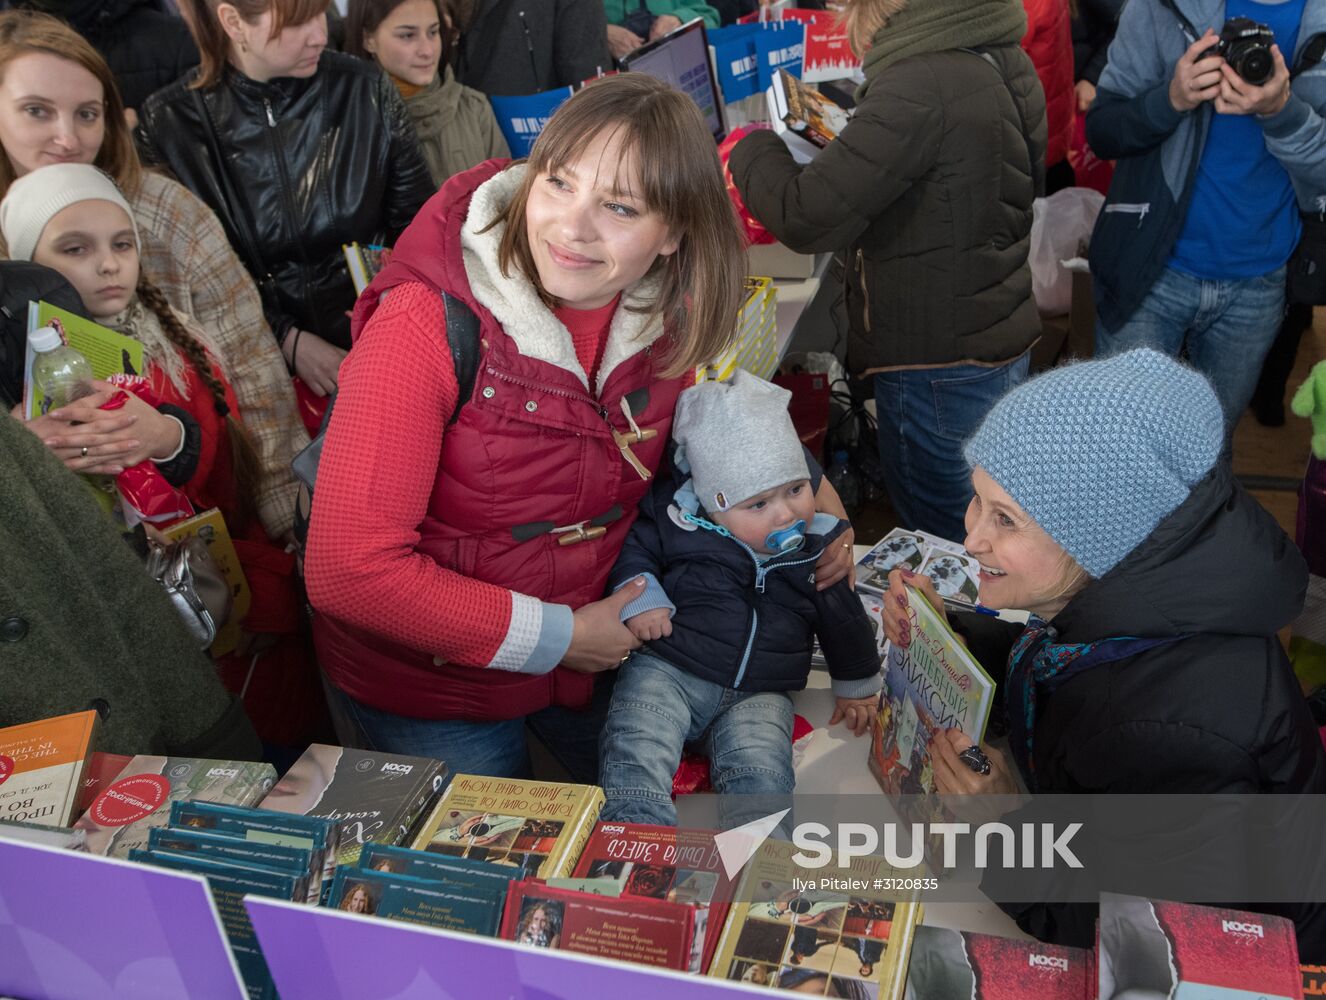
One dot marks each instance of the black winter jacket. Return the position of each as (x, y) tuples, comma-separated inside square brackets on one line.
[(1219, 711), (522, 48), (309, 165), (145, 46), (745, 626), (929, 188)]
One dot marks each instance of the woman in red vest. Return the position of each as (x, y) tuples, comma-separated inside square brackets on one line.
[(464, 533)]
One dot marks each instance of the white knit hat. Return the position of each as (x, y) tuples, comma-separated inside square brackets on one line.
[(35, 198)]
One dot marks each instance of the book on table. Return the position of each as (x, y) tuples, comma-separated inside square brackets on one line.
[(535, 827), (948, 964), (42, 765)]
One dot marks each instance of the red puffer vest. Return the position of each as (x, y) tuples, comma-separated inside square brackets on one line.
[(531, 451)]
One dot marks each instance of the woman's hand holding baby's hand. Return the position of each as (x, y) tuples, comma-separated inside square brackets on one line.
[(653, 624), (856, 712)]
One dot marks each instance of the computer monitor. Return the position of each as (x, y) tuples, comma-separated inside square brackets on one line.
[(681, 58)]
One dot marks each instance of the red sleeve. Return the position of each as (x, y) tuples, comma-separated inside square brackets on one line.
[(375, 478)]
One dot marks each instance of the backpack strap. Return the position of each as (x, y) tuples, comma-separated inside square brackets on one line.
[(462, 338)]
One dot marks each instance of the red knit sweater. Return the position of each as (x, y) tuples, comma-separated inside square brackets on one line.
[(377, 475)]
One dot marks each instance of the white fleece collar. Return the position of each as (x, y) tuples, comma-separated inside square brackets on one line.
[(513, 301)]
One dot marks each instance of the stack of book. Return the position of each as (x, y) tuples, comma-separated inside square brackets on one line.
[(756, 346), (244, 852)]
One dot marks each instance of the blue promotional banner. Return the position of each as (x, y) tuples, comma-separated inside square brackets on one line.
[(735, 61), (779, 45), (521, 119)]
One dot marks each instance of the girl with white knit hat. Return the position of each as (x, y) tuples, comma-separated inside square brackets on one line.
[(71, 217)]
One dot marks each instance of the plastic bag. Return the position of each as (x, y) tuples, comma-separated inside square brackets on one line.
[(751, 228), (1088, 168), (144, 493), (1061, 225)]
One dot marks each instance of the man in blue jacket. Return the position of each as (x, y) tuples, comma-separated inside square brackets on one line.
[(1189, 252)]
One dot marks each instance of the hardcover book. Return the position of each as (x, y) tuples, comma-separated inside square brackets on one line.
[(848, 943), (109, 353), (459, 872), (1155, 950), (803, 117), (471, 909), (262, 826), (364, 261), (646, 931), (537, 827), (933, 685), (141, 798), (663, 862), (375, 797), (41, 767), (958, 965), (101, 770), (297, 861), (229, 884)]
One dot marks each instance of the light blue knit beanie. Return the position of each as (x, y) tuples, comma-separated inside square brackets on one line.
[(1099, 452)]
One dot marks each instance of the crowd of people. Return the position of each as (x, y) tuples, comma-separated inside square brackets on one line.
[(523, 496)]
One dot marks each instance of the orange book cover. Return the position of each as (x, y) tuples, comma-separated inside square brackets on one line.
[(41, 767)]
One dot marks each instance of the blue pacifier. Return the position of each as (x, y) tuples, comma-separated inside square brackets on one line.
[(787, 539)]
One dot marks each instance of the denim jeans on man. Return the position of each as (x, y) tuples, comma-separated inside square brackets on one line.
[(496, 748), (925, 415), (657, 709), (1224, 327)]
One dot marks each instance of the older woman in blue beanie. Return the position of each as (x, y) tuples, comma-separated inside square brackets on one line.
[(1155, 585)]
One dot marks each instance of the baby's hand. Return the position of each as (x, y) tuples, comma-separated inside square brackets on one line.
[(653, 624), (856, 712)]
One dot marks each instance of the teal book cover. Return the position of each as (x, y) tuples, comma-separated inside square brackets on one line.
[(295, 860), (438, 867), (452, 907), (229, 885)]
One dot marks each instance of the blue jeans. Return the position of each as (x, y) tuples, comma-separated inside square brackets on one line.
[(495, 748), (1226, 327), (925, 416), (658, 709)]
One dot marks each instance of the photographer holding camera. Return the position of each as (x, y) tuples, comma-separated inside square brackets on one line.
[(1219, 148)]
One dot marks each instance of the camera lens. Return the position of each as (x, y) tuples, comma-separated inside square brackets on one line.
[(1256, 66)]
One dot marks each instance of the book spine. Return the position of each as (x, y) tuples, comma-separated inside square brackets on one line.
[(415, 808), (572, 842)]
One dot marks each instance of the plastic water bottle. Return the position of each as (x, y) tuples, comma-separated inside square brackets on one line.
[(844, 480), (59, 373)]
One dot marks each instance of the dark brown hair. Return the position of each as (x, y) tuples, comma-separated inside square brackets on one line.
[(213, 42), (363, 17), (23, 32), (243, 458), (664, 135)]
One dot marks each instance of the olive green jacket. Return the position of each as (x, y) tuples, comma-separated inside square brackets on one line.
[(83, 626), (455, 125)]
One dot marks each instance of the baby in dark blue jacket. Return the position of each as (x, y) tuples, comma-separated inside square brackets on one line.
[(730, 611)]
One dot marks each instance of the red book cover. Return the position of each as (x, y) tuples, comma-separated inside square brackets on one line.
[(1151, 946), (960, 965), (646, 931), (663, 862)]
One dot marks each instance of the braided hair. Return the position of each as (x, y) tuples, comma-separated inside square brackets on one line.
[(244, 460)]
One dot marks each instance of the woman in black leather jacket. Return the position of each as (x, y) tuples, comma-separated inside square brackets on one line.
[(297, 150)]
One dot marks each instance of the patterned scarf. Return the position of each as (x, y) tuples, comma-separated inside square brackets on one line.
[(1038, 662)]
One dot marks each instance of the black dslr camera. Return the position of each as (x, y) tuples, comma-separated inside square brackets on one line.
[(1246, 45)]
